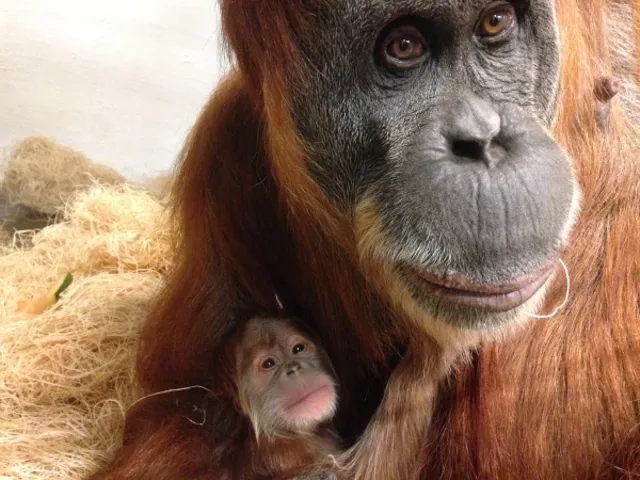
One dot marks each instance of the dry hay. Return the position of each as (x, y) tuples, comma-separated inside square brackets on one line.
[(43, 174), (66, 375)]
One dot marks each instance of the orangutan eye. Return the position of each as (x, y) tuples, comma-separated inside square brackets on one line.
[(268, 364), (403, 47), (496, 23), (297, 348)]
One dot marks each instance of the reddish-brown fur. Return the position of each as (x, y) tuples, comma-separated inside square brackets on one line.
[(560, 400), (198, 439), (209, 433)]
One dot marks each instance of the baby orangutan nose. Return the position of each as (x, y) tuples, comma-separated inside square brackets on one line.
[(293, 368), (470, 126)]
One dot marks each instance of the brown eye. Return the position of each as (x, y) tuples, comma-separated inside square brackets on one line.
[(404, 46), (496, 22), (297, 348), (268, 364)]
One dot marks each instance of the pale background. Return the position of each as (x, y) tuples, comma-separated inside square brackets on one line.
[(120, 80)]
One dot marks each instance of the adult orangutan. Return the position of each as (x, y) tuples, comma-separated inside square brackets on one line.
[(405, 175)]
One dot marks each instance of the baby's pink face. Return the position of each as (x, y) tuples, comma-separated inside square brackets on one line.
[(286, 381)]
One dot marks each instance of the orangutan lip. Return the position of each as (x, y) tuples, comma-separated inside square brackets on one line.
[(307, 395), (495, 298)]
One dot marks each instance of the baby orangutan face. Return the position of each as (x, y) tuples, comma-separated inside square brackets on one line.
[(284, 378)]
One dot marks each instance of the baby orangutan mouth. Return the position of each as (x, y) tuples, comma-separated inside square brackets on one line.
[(313, 403)]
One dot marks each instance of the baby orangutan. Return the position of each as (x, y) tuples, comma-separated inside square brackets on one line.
[(287, 390)]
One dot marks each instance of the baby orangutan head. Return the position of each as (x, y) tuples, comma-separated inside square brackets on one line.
[(285, 379)]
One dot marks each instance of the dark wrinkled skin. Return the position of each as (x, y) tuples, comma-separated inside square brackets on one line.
[(384, 136)]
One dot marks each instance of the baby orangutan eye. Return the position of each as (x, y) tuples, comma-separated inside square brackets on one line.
[(299, 347), (268, 364)]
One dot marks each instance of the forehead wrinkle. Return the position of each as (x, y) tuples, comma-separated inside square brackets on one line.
[(264, 333), (331, 24), (400, 7), (262, 339)]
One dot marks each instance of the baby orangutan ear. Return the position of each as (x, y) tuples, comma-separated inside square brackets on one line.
[(606, 88)]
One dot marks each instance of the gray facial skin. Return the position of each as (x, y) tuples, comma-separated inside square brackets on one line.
[(453, 151)]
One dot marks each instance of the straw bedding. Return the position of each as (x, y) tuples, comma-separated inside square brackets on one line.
[(66, 375)]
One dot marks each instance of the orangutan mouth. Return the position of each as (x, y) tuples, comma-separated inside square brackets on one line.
[(494, 298)]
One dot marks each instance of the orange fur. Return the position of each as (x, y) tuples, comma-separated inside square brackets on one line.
[(559, 400)]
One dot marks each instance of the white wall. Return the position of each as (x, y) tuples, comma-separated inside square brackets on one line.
[(120, 80)]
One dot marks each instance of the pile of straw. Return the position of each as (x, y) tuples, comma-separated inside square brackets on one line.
[(66, 375), (42, 174)]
